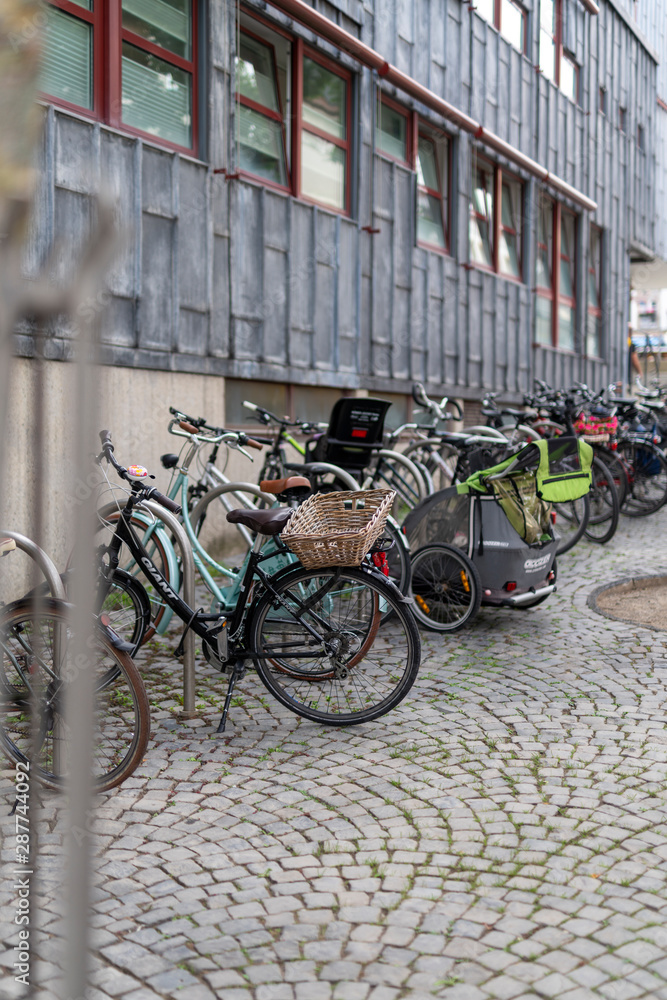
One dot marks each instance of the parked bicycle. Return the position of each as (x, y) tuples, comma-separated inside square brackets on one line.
[(309, 634), (38, 662)]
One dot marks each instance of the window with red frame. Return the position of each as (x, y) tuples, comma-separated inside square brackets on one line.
[(555, 286), (594, 317), (544, 274), (306, 151), (400, 136), (482, 216), (495, 220), (556, 64), (509, 17), (129, 63), (324, 143), (566, 289), (431, 183), (261, 134), (393, 131)]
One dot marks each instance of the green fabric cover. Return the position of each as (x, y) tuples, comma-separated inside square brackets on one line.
[(561, 467), (526, 512)]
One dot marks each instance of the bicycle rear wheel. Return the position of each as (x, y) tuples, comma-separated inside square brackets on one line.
[(571, 522), (617, 468), (317, 649), (604, 505), (439, 461), (398, 556), (646, 467), (36, 653)]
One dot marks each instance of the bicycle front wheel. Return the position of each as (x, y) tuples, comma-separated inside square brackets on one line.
[(397, 472), (316, 645), (127, 608), (37, 657)]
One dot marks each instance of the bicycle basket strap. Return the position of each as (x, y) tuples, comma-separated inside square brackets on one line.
[(564, 470)]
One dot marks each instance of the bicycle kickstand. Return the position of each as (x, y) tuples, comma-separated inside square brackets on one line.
[(237, 674)]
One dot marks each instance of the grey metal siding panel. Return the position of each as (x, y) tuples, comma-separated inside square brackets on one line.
[(232, 277), (156, 309)]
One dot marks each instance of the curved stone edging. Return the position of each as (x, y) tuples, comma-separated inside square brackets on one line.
[(592, 603)]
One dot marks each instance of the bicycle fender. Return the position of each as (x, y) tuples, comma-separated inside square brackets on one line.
[(114, 638)]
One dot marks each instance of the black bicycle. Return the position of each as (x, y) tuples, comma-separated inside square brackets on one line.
[(313, 636)]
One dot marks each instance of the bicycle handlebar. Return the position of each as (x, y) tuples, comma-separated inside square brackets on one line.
[(437, 410), (147, 492), (212, 435), (266, 417), (152, 494)]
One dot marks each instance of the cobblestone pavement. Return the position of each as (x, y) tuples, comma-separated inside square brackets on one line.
[(502, 834)]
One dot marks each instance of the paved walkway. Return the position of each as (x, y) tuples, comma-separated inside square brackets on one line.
[(502, 834)]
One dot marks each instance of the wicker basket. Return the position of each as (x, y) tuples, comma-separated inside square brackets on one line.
[(596, 438), (337, 529)]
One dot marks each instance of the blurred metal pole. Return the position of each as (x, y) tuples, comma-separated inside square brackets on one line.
[(80, 709), (20, 124)]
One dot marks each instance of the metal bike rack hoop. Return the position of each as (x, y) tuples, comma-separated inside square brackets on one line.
[(174, 525), (39, 556)]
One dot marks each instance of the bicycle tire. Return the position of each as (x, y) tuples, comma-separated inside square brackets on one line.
[(571, 521), (615, 465), (398, 556), (345, 681), (604, 511), (395, 471), (519, 434), (157, 550), (646, 467), (36, 648), (128, 608), (440, 467), (446, 587)]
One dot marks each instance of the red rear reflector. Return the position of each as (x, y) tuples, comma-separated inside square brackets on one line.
[(553, 516), (106, 621), (613, 446), (510, 586), (359, 433), (380, 560)]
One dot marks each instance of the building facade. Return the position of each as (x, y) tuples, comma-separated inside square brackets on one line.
[(358, 195)]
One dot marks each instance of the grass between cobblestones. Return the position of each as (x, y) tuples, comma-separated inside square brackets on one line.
[(502, 834)]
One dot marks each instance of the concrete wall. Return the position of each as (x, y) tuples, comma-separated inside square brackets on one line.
[(133, 405)]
